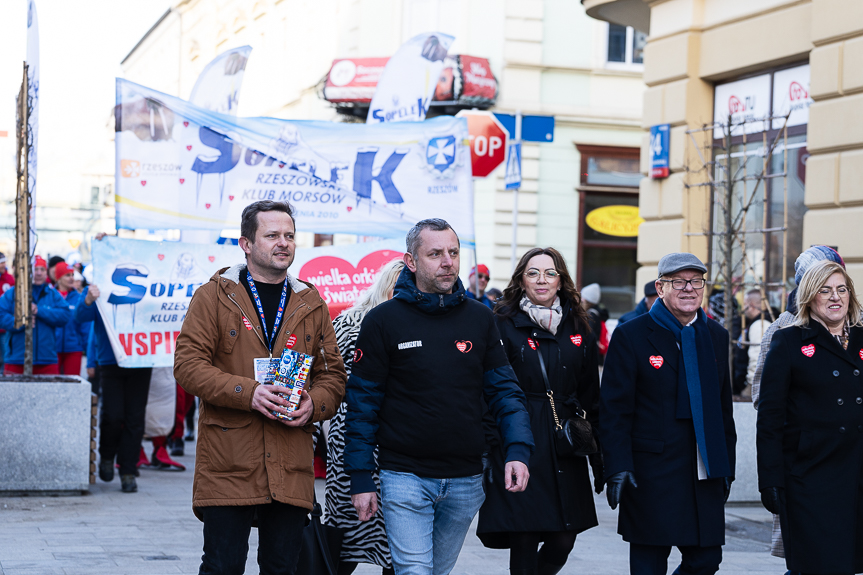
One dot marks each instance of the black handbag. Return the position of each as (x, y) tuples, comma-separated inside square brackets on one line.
[(321, 546), (573, 437)]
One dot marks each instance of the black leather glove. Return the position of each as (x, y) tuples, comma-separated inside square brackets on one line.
[(616, 483), (486, 468), (598, 471), (772, 498), (727, 488)]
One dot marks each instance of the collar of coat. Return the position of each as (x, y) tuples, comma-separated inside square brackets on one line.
[(233, 274), (816, 331)]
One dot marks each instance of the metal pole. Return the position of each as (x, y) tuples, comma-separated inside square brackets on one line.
[(512, 257), (729, 243), (24, 291)]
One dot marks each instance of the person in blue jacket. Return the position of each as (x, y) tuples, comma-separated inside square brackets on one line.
[(124, 399), (72, 336), (49, 311)]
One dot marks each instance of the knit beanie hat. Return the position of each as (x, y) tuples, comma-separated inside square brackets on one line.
[(591, 293), (814, 255)]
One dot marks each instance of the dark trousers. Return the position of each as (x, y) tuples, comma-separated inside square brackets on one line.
[(226, 538), (653, 560), (124, 405)]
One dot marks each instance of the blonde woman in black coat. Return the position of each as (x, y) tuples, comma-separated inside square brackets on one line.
[(810, 426), (541, 313)]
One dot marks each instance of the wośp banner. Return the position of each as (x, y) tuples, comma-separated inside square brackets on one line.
[(342, 273), (408, 81), (181, 166), (146, 286)]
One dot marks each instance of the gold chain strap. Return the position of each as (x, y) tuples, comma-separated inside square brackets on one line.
[(550, 395)]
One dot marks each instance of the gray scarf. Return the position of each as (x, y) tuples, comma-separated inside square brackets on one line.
[(545, 317)]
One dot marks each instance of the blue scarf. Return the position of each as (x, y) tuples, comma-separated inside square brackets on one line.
[(697, 372)]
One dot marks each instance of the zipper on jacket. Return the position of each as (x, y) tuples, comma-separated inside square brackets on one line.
[(324, 355), (441, 299)]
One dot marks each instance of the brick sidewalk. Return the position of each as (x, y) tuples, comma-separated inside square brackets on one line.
[(154, 532)]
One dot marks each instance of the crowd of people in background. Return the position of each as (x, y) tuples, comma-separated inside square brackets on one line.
[(403, 482)]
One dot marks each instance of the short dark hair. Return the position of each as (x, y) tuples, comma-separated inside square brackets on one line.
[(249, 219), (412, 241)]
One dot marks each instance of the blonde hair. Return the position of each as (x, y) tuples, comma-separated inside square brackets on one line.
[(813, 280), (378, 293)]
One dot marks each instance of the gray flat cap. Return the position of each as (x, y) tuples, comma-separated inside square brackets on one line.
[(673, 263)]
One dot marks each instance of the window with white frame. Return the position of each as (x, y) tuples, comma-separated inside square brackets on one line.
[(624, 47)]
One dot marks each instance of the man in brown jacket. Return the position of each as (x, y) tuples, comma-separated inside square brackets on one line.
[(253, 468)]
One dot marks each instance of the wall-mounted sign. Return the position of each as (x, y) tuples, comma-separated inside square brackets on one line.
[(745, 100), (791, 93), (659, 138), (620, 221)]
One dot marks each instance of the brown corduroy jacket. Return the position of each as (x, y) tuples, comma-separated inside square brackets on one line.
[(242, 457)]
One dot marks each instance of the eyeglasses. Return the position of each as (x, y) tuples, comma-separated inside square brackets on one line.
[(825, 293), (482, 276), (679, 284), (533, 274)]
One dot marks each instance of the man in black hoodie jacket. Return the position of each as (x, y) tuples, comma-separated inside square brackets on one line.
[(424, 361)]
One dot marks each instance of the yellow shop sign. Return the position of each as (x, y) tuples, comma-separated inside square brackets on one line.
[(620, 221)]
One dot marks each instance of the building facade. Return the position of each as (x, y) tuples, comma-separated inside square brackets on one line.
[(709, 60), (549, 58)]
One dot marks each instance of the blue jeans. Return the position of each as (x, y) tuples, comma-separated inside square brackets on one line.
[(428, 519)]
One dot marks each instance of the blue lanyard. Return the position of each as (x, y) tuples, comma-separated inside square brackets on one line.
[(279, 313)]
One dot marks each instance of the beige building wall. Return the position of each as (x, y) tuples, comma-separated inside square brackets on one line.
[(695, 43)]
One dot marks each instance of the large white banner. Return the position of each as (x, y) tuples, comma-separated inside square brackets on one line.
[(218, 86), (181, 166), (408, 81), (146, 287), (33, 123)]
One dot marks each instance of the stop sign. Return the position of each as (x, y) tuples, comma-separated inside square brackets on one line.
[(487, 141)]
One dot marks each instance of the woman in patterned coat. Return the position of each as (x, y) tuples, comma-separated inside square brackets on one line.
[(364, 542)]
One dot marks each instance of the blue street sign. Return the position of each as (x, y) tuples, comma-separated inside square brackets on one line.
[(230, 241), (659, 138), (533, 128), (512, 179)]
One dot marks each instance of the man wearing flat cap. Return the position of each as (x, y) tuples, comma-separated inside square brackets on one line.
[(666, 427)]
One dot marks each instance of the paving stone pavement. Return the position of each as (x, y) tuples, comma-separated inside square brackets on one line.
[(154, 532)]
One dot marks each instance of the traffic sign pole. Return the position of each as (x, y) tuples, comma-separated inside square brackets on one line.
[(515, 201)]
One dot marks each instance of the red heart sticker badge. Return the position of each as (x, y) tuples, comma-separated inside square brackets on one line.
[(531, 344), (247, 323), (861, 354), (808, 350), (186, 124), (211, 258), (656, 361), (143, 182), (358, 355), (161, 256), (291, 341), (208, 206), (463, 346), (189, 148), (576, 339)]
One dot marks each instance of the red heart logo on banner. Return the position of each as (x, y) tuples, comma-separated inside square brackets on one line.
[(186, 124), (161, 257), (143, 182), (576, 339), (189, 148), (464, 346), (207, 206), (339, 282), (231, 198), (182, 180), (808, 350), (212, 258), (656, 361), (281, 165), (291, 341), (350, 208), (531, 343)]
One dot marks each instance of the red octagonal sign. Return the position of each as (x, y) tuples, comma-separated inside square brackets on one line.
[(487, 141)]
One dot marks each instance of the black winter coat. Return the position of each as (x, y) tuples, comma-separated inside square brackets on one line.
[(640, 432), (810, 441), (559, 494)]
